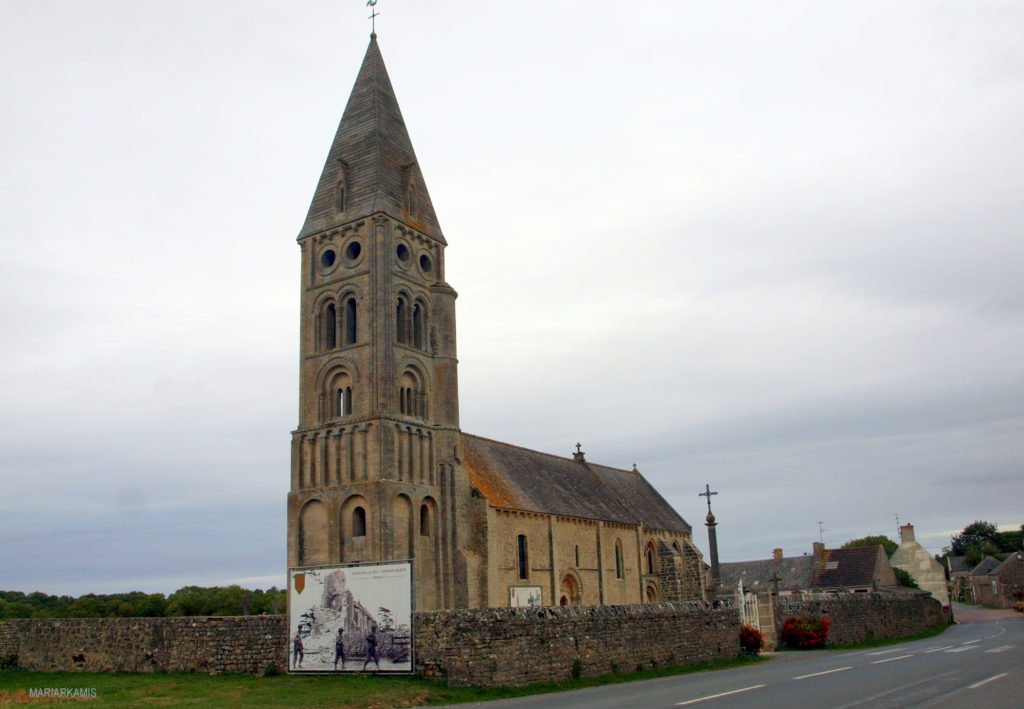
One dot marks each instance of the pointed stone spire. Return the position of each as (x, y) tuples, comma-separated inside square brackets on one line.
[(372, 166)]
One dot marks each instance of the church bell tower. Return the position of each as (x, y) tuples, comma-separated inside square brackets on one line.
[(373, 473)]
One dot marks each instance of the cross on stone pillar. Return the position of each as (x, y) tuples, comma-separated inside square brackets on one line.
[(707, 493), (710, 523)]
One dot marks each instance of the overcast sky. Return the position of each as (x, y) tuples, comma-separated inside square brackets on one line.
[(773, 247)]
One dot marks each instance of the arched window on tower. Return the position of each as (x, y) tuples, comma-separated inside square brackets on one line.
[(418, 326), (411, 395), (358, 522), (400, 321), (329, 327), (336, 399), (650, 560), (350, 321), (521, 557), (425, 529)]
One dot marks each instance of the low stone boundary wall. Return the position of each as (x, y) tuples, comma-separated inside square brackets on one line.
[(494, 647), (863, 617), (200, 644), (484, 646)]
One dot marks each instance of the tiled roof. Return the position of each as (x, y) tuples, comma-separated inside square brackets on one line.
[(958, 564), (517, 478), (986, 566), (846, 568), (794, 573), (374, 153)]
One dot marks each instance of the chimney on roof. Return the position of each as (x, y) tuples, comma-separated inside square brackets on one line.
[(777, 554), (907, 533), (819, 549)]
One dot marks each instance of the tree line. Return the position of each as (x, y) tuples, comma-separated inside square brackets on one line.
[(980, 539), (186, 601), (976, 541)]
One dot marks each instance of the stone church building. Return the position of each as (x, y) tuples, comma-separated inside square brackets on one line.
[(380, 468)]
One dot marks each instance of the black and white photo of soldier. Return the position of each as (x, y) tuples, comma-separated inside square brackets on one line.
[(332, 618)]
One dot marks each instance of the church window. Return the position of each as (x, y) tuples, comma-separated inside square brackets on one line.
[(425, 521), (417, 326), (411, 396), (353, 250), (329, 324), (577, 556), (350, 321), (524, 565), (650, 560), (358, 522), (619, 573), (402, 251), (400, 318), (426, 264), (327, 258)]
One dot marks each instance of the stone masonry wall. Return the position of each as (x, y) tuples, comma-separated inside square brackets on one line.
[(515, 646), (862, 617), (202, 644)]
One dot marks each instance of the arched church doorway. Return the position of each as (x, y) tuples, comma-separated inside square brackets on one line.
[(570, 591)]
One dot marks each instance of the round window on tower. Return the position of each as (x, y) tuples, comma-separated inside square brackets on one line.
[(426, 265), (353, 250), (403, 254), (327, 259)]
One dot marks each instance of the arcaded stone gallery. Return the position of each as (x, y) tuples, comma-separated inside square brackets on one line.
[(380, 467)]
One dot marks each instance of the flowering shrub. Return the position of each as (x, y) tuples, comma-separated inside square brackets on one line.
[(805, 632), (751, 639)]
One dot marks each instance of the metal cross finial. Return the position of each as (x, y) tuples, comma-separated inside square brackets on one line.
[(372, 4), (707, 493), (578, 446)]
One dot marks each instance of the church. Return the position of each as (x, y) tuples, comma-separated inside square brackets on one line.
[(380, 469)]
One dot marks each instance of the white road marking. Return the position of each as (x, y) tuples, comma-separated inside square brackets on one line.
[(971, 642), (826, 672), (986, 681), (936, 649), (716, 696), (961, 649), (1001, 648), (872, 700), (891, 659), (886, 652)]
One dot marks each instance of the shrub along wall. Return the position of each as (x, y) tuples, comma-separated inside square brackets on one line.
[(515, 646), (863, 617)]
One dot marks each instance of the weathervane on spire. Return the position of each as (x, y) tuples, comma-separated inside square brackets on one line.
[(372, 4)]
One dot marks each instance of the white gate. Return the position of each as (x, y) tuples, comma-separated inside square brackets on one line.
[(750, 614)]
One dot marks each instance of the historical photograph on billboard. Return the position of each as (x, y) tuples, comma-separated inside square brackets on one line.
[(524, 596), (354, 618)]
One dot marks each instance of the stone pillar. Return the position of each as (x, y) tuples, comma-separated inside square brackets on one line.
[(713, 550)]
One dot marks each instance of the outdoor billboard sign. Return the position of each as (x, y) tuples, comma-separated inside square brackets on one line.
[(350, 618)]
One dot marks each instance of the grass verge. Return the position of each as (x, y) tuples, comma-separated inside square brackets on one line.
[(342, 692)]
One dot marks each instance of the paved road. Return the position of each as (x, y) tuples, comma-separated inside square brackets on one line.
[(974, 664)]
